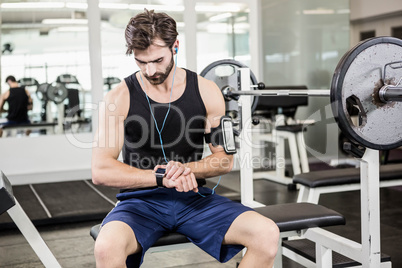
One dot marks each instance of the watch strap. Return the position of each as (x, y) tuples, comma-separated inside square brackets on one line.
[(159, 180)]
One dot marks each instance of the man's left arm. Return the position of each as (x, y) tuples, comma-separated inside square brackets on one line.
[(30, 104)]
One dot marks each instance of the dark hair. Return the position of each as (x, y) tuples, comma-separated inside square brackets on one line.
[(148, 25), (11, 78)]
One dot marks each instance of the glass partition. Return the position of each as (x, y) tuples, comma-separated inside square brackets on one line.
[(303, 41), (222, 33)]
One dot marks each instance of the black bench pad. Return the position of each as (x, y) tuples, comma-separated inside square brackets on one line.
[(288, 217), (299, 216), (344, 176), (36, 125)]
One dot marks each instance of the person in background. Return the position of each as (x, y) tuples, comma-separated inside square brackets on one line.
[(19, 102)]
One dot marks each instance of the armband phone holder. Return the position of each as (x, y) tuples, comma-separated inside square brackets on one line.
[(223, 135)]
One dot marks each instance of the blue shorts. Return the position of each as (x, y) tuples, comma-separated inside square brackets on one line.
[(204, 220)]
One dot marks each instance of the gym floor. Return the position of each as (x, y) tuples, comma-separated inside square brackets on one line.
[(66, 227)]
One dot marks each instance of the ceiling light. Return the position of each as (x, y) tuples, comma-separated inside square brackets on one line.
[(32, 5), (113, 6), (77, 5), (217, 8), (157, 7), (318, 11), (65, 21), (220, 16), (72, 29)]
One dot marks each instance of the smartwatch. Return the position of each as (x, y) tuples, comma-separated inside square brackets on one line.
[(159, 174)]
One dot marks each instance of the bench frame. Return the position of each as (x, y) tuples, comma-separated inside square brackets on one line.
[(312, 195), (25, 225)]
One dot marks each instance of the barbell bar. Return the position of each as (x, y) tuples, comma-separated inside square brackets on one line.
[(280, 92), (385, 94), (389, 93)]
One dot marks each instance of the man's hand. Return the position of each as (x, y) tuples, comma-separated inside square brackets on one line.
[(179, 177)]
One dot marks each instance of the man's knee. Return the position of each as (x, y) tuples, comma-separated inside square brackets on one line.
[(110, 253), (103, 249), (113, 246), (265, 238)]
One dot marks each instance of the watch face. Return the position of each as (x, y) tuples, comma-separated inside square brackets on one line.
[(160, 171)]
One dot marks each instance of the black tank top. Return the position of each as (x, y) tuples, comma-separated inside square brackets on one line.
[(182, 134), (17, 105)]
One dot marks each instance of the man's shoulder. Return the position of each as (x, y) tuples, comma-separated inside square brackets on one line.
[(119, 91), (211, 96), (207, 86), (5, 95), (117, 100)]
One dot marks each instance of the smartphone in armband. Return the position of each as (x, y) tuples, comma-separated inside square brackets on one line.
[(228, 137), (223, 135)]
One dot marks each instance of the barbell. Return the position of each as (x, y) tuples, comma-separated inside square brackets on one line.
[(367, 79)]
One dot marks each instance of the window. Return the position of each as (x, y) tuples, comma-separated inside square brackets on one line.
[(396, 32), (367, 35)]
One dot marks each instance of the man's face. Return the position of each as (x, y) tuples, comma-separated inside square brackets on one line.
[(155, 62), (160, 77)]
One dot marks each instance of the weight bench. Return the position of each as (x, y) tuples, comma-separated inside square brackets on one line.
[(13, 129), (314, 183), (291, 219), (17, 214)]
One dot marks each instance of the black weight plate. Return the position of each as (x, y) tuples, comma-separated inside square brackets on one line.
[(355, 85), (224, 74), (41, 91), (57, 92)]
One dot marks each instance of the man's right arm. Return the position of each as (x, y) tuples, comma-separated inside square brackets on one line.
[(3, 98), (108, 142)]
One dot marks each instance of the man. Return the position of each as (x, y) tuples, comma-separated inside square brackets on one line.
[(19, 102), (157, 118)]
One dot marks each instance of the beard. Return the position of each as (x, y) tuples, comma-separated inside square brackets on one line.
[(159, 77)]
